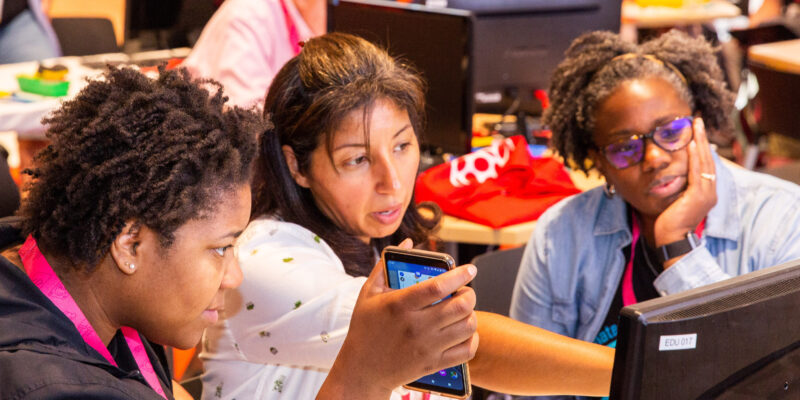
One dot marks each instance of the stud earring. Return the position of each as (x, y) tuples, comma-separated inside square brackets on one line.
[(609, 190), (130, 266)]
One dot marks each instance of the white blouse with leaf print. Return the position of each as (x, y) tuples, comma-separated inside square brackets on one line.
[(285, 324)]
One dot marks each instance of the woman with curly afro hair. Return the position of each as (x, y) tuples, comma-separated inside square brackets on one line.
[(124, 237), (671, 216)]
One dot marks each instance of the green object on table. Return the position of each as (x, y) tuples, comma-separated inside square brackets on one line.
[(43, 87)]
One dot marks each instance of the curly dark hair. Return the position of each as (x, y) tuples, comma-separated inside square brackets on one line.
[(592, 70), (157, 151), (332, 76)]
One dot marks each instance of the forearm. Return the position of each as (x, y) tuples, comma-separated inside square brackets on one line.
[(517, 358), (179, 392), (346, 381)]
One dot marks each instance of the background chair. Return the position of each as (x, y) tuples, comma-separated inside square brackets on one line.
[(497, 272), (778, 118), (85, 36), (777, 96)]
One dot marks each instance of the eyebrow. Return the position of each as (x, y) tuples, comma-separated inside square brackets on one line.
[(626, 133), (234, 235), (396, 134)]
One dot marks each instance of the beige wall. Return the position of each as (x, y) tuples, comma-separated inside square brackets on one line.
[(111, 9)]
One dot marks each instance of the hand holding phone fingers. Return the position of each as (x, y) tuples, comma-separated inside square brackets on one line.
[(396, 336), (376, 282), (459, 306), (407, 244), (459, 353), (459, 331), (432, 290), (410, 344)]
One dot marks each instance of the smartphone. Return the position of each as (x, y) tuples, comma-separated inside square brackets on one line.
[(408, 267)]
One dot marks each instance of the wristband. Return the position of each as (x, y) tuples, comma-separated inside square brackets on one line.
[(679, 248)]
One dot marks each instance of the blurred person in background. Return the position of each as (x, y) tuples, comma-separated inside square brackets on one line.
[(25, 32), (246, 42)]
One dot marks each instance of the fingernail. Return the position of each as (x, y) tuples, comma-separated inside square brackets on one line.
[(472, 270)]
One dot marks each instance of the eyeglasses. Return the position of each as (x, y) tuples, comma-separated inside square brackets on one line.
[(672, 136)]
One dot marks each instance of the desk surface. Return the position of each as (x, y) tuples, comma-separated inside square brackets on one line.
[(782, 56), (454, 229), (661, 17), (25, 118)]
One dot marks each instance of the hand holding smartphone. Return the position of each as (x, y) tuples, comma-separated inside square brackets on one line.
[(396, 336), (405, 268)]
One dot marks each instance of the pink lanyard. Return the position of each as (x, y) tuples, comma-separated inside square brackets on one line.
[(43, 276), (294, 36), (628, 296)]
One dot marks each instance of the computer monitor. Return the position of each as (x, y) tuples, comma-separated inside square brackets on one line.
[(489, 55), (437, 44), (519, 43), (736, 339)]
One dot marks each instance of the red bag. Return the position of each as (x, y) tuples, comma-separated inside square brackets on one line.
[(497, 186)]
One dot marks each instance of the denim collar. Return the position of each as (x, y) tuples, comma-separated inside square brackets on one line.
[(722, 221)]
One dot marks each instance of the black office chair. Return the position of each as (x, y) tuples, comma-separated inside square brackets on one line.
[(85, 36), (9, 193), (497, 272), (9, 230)]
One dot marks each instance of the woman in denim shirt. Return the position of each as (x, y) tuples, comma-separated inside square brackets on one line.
[(672, 216)]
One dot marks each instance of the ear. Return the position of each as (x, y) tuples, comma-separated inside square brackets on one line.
[(598, 162), (291, 163), (124, 248)]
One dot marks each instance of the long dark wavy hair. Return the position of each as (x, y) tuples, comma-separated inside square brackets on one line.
[(332, 76)]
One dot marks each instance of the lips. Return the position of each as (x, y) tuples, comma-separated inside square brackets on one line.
[(388, 216), (211, 316), (667, 186)]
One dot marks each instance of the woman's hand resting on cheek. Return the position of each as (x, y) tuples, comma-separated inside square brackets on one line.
[(685, 213)]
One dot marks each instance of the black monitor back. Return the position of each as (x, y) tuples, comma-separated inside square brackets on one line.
[(736, 339), (480, 54), (437, 43), (519, 43)]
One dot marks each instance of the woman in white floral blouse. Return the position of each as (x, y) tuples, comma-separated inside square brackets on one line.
[(335, 186)]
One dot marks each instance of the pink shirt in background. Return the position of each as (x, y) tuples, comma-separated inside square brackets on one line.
[(244, 45)]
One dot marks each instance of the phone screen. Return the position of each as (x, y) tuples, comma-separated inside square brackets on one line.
[(402, 274)]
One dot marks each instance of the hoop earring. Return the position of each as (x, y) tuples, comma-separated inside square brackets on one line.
[(609, 190)]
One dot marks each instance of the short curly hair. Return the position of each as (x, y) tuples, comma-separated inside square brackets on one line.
[(158, 151), (592, 70)]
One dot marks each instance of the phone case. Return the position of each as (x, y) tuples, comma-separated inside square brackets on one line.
[(430, 258)]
